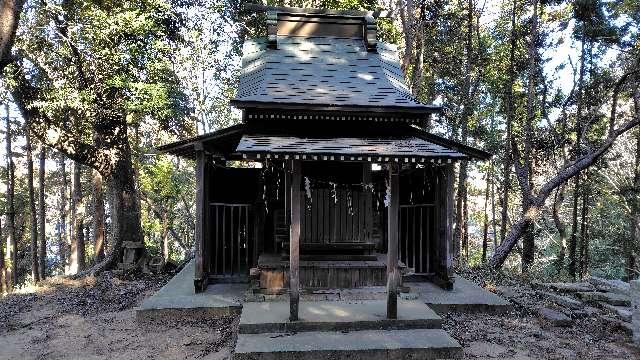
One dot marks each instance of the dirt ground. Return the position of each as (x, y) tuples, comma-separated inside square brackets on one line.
[(94, 319)]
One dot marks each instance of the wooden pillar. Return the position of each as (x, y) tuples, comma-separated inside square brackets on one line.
[(393, 276), (294, 241), (201, 274)]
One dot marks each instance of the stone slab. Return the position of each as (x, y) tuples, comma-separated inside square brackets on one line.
[(178, 298), (570, 287), (621, 312), (357, 345), (465, 296), (609, 298), (272, 317), (635, 308), (565, 301), (616, 286)]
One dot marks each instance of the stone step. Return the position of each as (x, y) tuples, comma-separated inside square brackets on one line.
[(273, 317), (356, 345)]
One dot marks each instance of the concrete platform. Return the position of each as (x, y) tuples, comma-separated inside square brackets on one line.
[(465, 296), (273, 317), (178, 298), (357, 345)]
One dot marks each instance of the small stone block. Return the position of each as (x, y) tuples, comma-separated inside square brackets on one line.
[(554, 318)]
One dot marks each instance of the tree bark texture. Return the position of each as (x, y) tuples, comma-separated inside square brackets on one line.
[(42, 220), (62, 219), (33, 222), (9, 19), (77, 258), (98, 217), (12, 273)]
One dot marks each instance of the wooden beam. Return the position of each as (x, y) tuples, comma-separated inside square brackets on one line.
[(393, 276), (294, 241), (201, 276)]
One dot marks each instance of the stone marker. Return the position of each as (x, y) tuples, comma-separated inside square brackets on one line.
[(566, 301), (554, 318), (635, 295), (615, 286), (609, 298)]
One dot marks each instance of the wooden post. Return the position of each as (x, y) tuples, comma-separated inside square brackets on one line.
[(201, 278), (392, 248), (294, 242)]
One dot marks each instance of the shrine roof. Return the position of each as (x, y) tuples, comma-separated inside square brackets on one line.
[(324, 72), (383, 143)]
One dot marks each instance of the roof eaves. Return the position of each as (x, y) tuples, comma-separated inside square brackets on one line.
[(471, 152), (415, 109)]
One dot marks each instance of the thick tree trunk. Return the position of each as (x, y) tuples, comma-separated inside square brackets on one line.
[(62, 219), (9, 19), (42, 243), (33, 221), (12, 273), (98, 217), (525, 170), (77, 258)]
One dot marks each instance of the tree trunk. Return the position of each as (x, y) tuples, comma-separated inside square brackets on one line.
[(42, 213), (562, 228), (9, 19), (62, 220), (573, 240), (630, 248), (506, 186), (493, 209), (526, 181), (12, 273), (165, 236), (485, 228), (3, 269), (33, 221), (584, 232), (77, 259), (98, 217)]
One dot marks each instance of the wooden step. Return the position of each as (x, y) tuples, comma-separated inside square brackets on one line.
[(356, 345)]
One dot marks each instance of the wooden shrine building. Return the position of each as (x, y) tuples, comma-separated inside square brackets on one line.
[(328, 182)]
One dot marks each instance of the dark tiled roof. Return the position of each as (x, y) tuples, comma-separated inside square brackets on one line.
[(370, 148), (323, 71)]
